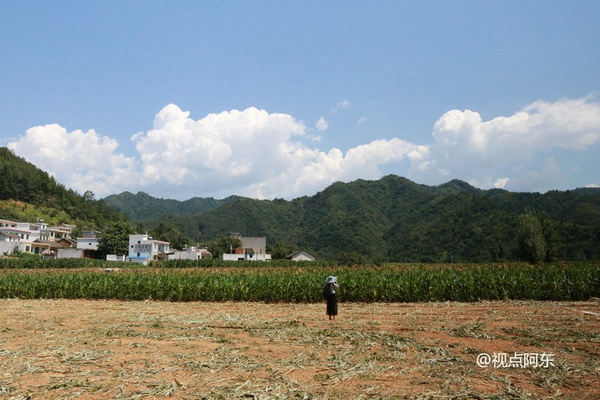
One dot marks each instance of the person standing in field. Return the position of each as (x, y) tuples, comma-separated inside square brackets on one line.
[(331, 286)]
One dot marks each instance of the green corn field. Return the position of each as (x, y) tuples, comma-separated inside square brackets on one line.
[(285, 282), (64, 263)]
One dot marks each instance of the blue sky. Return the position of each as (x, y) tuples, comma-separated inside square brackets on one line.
[(280, 99)]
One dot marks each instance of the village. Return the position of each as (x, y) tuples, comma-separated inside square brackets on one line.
[(57, 242)]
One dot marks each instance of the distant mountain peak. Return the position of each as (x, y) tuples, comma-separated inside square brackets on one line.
[(458, 186)]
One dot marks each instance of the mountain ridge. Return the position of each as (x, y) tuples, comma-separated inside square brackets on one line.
[(390, 219), (393, 218)]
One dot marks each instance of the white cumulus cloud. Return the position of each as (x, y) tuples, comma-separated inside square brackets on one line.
[(469, 148), (500, 183), (252, 153), (259, 154), (80, 160)]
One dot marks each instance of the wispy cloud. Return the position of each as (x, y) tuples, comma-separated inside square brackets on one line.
[(342, 105), (321, 124)]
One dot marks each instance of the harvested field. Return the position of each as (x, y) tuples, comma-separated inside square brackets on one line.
[(80, 349)]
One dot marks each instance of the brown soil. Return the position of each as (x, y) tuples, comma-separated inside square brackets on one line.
[(79, 349)]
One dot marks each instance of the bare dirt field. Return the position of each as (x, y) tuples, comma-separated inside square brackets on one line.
[(79, 349)]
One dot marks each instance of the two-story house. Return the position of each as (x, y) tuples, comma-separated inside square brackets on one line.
[(142, 249), (24, 235)]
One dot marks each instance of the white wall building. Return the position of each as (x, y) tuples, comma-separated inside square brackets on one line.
[(251, 249), (8, 242), (142, 249), (114, 257), (58, 232), (190, 253), (301, 255), (69, 252), (35, 237), (87, 243), (24, 237)]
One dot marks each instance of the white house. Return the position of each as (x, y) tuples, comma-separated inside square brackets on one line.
[(190, 253), (34, 237), (87, 246), (25, 237), (251, 249), (88, 241), (8, 242), (301, 255), (24, 234), (142, 249), (58, 232)]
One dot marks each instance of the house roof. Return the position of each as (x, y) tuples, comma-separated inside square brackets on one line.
[(7, 228), (66, 242), (297, 252), (8, 234), (52, 243), (43, 243)]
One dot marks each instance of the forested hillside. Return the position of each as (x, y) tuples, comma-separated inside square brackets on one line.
[(391, 219), (26, 193), (398, 220), (141, 207)]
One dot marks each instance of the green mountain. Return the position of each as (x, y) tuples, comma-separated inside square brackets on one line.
[(27, 193), (388, 219), (395, 219), (141, 207)]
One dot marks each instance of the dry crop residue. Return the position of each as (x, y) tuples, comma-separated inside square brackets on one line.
[(132, 350)]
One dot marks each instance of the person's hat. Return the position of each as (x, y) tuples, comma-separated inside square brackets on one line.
[(331, 279)]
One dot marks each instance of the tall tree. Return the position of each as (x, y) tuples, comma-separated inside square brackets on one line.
[(171, 234), (222, 245), (115, 238), (551, 237), (532, 245)]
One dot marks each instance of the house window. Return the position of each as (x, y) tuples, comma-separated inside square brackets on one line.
[(138, 254)]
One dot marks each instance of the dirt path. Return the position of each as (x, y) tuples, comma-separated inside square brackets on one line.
[(67, 349)]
